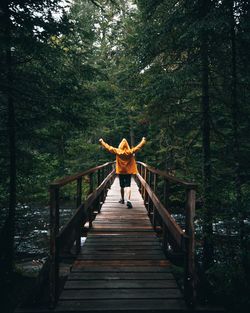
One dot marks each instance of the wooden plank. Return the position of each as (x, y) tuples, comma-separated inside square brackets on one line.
[(121, 267), (128, 222), (114, 248), (118, 275), (123, 217), (122, 245), (121, 235), (117, 284), (121, 263), (172, 293), (122, 305), (124, 269), (121, 257), (124, 227), (131, 233), (119, 253)]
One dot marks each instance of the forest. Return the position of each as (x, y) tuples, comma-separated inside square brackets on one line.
[(174, 71)]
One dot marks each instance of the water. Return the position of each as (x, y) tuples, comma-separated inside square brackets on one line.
[(32, 233)]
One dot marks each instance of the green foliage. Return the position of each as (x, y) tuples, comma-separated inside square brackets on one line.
[(225, 279), (117, 69)]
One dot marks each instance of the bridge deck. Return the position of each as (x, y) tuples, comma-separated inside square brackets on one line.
[(121, 267)]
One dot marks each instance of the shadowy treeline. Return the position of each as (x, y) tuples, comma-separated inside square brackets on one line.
[(175, 72)]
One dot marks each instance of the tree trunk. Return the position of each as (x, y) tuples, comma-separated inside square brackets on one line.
[(236, 141), (9, 228), (205, 108), (132, 136)]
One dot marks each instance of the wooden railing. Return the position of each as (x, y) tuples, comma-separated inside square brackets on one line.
[(63, 239), (172, 233)]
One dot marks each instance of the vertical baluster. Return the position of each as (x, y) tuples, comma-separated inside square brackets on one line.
[(98, 177), (166, 194), (54, 253), (99, 197), (90, 209), (139, 171), (189, 287), (79, 192), (154, 189), (149, 183), (78, 203), (144, 190), (165, 238), (155, 183), (91, 183), (142, 175)]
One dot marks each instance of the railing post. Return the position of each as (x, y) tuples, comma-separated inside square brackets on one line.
[(78, 203), (138, 181), (144, 190), (91, 186), (54, 253), (142, 175), (90, 209), (149, 183), (165, 238), (102, 174), (166, 194), (155, 183), (79, 192), (98, 184), (98, 177), (190, 279)]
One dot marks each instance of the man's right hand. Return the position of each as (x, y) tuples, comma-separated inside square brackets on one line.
[(100, 140)]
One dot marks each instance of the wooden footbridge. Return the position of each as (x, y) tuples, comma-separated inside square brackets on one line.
[(124, 265)]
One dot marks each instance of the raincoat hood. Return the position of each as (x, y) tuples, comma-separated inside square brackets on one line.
[(125, 160), (124, 145)]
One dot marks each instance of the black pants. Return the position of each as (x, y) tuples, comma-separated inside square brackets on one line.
[(125, 180)]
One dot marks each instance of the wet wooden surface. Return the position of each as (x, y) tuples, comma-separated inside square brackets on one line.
[(121, 266)]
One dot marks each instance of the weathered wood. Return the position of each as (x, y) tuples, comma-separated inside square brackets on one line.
[(118, 284), (172, 233), (66, 180), (120, 276), (190, 279), (123, 269), (78, 203), (166, 194), (168, 220), (122, 305), (71, 232), (91, 183), (121, 263), (54, 228), (168, 177), (121, 256), (117, 247), (122, 294)]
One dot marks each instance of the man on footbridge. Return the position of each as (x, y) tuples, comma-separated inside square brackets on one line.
[(125, 165)]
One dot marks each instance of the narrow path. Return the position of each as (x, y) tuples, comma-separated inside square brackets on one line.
[(121, 267)]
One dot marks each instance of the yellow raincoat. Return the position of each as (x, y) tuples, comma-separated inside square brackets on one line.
[(125, 160)]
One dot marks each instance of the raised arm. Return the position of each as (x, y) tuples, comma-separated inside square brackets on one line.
[(139, 146), (107, 146)]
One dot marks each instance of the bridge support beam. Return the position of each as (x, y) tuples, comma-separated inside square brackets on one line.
[(190, 279)]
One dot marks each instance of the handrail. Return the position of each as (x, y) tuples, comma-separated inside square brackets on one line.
[(167, 219), (71, 232), (172, 234), (68, 179), (167, 176)]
